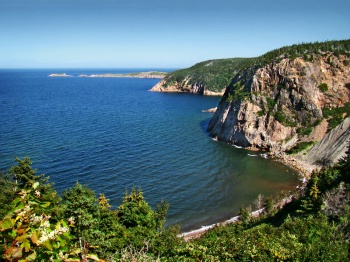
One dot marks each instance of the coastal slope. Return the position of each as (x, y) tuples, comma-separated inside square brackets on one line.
[(287, 101), (206, 78)]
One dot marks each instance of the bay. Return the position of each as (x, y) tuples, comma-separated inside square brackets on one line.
[(113, 134)]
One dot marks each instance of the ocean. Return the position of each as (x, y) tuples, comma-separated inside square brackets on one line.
[(112, 134)]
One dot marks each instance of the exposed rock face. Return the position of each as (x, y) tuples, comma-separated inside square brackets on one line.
[(238, 123), (162, 86), (279, 100), (332, 147)]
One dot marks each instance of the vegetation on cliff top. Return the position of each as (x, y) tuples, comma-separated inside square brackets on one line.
[(307, 51), (40, 225), (217, 74)]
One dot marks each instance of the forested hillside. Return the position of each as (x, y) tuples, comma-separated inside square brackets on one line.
[(37, 224), (215, 75)]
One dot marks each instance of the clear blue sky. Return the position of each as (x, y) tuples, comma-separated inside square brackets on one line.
[(159, 33)]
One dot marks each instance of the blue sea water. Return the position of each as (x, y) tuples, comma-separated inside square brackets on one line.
[(113, 134)]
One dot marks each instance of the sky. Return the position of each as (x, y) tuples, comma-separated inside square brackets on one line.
[(159, 33)]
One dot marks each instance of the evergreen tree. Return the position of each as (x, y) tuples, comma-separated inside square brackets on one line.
[(24, 177), (80, 206), (7, 195)]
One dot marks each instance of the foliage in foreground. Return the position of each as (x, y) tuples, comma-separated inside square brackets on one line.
[(40, 226)]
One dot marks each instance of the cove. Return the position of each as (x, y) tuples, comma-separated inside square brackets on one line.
[(112, 134)]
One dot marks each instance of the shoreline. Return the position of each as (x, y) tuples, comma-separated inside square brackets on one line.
[(193, 234), (304, 169), (197, 233)]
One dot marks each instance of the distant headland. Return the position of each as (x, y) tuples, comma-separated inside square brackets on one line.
[(150, 74)]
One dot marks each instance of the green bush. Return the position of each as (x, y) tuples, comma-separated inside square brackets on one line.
[(270, 103), (300, 147), (323, 87), (260, 113), (304, 131), (280, 117), (336, 115)]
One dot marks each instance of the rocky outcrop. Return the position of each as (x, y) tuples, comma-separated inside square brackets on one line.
[(332, 147), (162, 86), (279, 105), (238, 123)]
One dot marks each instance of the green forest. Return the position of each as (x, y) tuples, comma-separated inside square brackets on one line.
[(217, 74), (311, 223)]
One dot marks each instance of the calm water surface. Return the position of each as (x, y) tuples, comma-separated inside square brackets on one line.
[(112, 134)]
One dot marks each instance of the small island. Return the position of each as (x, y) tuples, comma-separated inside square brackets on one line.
[(60, 75)]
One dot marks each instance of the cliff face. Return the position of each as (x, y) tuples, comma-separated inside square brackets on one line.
[(275, 107)]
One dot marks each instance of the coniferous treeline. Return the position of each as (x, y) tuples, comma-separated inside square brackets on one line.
[(39, 225)]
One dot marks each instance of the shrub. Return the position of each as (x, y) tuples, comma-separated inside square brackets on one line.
[(270, 103), (323, 87), (334, 121), (280, 117), (304, 131), (336, 115), (300, 147), (260, 113)]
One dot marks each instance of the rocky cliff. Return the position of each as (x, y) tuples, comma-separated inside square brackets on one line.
[(289, 104), (185, 87)]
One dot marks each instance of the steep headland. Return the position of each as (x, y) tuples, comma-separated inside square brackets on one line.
[(288, 101), (206, 78)]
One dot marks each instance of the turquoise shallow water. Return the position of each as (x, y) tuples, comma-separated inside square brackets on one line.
[(112, 134)]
